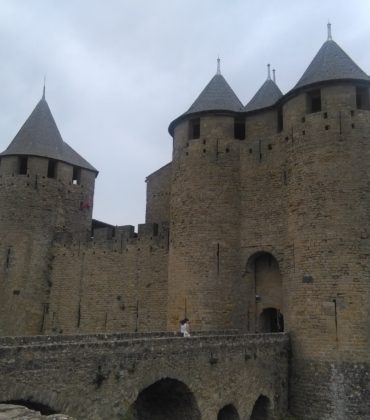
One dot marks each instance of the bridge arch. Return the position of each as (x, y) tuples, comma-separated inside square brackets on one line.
[(45, 410), (262, 409), (265, 286), (34, 397), (228, 412), (165, 399)]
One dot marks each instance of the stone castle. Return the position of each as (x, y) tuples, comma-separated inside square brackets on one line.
[(260, 223)]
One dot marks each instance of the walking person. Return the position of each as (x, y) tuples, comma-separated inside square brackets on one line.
[(184, 327)]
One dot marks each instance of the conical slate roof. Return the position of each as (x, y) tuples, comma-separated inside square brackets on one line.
[(216, 96), (331, 63), (39, 136), (267, 95)]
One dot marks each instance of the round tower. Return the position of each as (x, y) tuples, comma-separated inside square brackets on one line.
[(327, 121), (46, 189), (204, 265)]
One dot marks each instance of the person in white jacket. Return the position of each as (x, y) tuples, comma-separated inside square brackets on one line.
[(184, 327)]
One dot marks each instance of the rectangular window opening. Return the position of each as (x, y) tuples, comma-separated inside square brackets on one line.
[(52, 168), (362, 98), (239, 128), (314, 101), (280, 120), (7, 263), (194, 128), (76, 177), (22, 165)]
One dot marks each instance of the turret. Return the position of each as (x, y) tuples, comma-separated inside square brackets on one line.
[(46, 188), (326, 126), (204, 210)]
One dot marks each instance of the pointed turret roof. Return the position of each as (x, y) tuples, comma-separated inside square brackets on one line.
[(39, 136), (267, 95), (216, 96), (331, 63)]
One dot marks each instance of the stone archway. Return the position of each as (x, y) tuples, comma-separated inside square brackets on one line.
[(271, 320), (166, 399), (228, 412), (262, 409), (266, 291)]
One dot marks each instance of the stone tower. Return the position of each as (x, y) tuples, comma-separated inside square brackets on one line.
[(326, 121), (46, 189), (205, 210)]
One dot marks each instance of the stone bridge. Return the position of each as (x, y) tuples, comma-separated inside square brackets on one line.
[(227, 376)]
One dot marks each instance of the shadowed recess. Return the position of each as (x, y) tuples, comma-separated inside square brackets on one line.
[(32, 405), (167, 399), (262, 409), (228, 412)]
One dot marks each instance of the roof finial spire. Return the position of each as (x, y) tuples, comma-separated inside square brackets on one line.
[(273, 75), (218, 65), (268, 72), (43, 90), (329, 31)]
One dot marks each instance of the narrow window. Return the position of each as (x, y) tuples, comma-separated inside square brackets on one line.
[(7, 263), (239, 128), (362, 98), (76, 177), (313, 101), (194, 128), (52, 168), (22, 165), (280, 120)]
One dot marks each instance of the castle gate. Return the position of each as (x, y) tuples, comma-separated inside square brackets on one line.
[(127, 376)]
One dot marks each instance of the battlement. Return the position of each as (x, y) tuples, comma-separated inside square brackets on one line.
[(117, 237)]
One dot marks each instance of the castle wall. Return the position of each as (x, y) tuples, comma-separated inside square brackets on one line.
[(204, 274), (117, 281), (158, 191)]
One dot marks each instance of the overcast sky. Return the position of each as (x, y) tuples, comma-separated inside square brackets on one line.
[(119, 71)]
